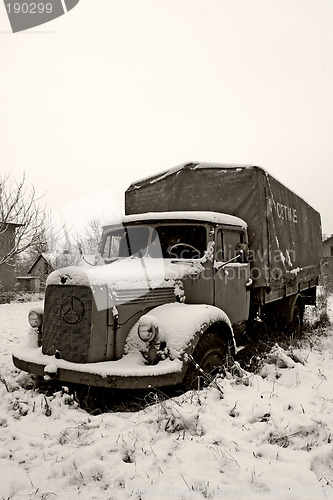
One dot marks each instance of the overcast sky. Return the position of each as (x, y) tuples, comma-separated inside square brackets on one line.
[(116, 90)]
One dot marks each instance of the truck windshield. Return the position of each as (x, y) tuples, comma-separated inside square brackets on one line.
[(126, 241), (179, 241), (185, 241)]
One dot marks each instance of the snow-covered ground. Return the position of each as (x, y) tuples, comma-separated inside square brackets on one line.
[(269, 435)]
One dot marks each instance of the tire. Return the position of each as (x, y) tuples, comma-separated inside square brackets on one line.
[(286, 316), (210, 354), (296, 324)]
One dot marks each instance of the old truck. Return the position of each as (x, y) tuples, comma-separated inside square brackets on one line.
[(204, 253)]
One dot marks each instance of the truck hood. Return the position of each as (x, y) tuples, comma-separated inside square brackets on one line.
[(128, 273)]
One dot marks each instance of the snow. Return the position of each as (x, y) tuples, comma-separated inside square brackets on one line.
[(132, 274), (129, 365), (148, 320), (127, 273), (268, 436), (191, 165), (188, 215), (178, 324)]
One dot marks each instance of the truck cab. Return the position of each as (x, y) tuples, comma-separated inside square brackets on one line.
[(169, 291)]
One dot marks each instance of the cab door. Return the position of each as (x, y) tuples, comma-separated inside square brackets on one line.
[(231, 280)]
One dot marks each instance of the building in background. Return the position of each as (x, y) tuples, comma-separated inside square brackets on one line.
[(328, 247), (7, 270), (35, 279), (327, 263)]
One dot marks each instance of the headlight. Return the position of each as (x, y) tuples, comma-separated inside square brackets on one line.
[(35, 319), (148, 328)]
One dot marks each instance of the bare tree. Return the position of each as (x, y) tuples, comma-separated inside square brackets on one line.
[(90, 240), (19, 206), (51, 237)]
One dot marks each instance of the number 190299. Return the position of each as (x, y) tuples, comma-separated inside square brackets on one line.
[(29, 8)]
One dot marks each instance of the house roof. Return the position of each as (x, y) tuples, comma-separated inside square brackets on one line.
[(46, 257), (50, 259), (15, 224)]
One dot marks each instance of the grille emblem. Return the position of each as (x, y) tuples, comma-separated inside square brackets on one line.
[(72, 310)]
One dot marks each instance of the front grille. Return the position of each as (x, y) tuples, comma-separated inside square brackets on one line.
[(67, 322), (138, 296)]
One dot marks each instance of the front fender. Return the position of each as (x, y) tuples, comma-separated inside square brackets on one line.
[(180, 327)]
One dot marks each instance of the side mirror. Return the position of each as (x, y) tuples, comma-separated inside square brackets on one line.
[(241, 255)]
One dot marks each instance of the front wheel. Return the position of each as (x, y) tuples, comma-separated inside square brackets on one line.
[(210, 354)]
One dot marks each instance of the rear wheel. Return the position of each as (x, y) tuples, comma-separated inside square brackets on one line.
[(286, 316), (296, 324), (210, 355)]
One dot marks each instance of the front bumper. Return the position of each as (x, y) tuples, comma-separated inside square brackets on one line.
[(129, 372)]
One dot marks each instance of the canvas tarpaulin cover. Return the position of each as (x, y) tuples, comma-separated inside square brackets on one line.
[(284, 231)]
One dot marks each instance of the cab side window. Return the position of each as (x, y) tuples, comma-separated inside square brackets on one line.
[(228, 244), (219, 256), (231, 243)]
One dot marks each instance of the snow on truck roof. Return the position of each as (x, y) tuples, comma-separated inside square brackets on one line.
[(189, 215), (190, 165)]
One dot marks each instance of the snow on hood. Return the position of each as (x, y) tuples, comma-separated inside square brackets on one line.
[(128, 273)]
